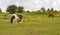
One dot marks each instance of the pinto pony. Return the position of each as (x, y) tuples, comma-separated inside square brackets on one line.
[(17, 17), (51, 14)]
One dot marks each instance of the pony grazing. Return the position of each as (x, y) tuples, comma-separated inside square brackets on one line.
[(16, 17), (51, 14)]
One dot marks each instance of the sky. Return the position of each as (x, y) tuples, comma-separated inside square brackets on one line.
[(31, 5)]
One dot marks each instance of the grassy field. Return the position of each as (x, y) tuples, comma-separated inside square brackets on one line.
[(32, 25)]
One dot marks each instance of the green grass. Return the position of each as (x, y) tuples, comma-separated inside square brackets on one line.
[(32, 25)]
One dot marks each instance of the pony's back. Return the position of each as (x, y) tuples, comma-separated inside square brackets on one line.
[(15, 16)]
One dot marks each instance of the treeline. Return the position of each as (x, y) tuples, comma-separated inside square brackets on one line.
[(19, 9), (14, 9)]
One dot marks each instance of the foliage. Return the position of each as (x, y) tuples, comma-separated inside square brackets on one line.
[(28, 11), (43, 9), (11, 8), (52, 9), (20, 9), (39, 11), (48, 10), (0, 10)]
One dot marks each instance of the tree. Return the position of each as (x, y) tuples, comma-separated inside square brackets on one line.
[(39, 11), (11, 8), (56, 11), (52, 9), (0, 10), (43, 9), (48, 10), (28, 11), (20, 9)]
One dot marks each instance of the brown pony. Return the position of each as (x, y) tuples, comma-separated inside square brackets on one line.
[(51, 14)]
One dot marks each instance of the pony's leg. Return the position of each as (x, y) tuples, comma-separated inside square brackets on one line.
[(49, 16), (20, 21), (15, 20), (11, 21), (52, 15)]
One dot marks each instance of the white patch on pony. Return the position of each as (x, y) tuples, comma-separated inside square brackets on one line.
[(16, 17)]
